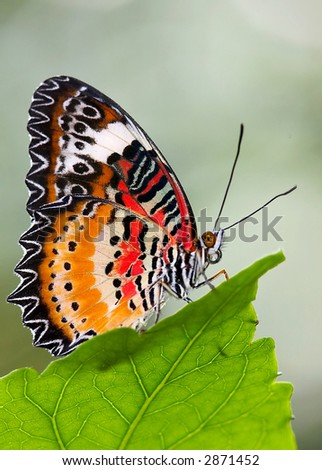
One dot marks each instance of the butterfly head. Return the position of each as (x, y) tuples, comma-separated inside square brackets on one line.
[(211, 242)]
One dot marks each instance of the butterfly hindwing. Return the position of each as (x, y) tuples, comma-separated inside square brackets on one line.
[(89, 267)]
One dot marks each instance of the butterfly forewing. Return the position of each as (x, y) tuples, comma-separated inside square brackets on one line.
[(84, 143)]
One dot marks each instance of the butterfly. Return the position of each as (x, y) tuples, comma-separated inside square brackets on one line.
[(112, 231)]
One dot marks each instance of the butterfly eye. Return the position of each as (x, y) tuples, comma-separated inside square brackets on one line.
[(209, 239)]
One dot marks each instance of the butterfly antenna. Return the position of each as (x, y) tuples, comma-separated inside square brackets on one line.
[(231, 174), (262, 207)]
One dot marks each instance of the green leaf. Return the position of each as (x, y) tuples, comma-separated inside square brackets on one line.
[(194, 381)]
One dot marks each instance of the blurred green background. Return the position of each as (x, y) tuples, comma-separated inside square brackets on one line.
[(190, 72)]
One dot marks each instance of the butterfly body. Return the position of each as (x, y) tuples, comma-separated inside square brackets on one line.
[(112, 230)]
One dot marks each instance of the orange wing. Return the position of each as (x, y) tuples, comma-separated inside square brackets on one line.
[(96, 267), (108, 219)]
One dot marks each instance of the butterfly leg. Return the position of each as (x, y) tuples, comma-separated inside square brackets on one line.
[(208, 281), (177, 295), (157, 307), (159, 299)]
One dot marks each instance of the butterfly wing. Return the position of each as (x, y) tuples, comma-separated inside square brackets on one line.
[(108, 215), (82, 142), (89, 267)]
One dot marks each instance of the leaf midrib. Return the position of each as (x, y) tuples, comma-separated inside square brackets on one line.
[(151, 397)]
